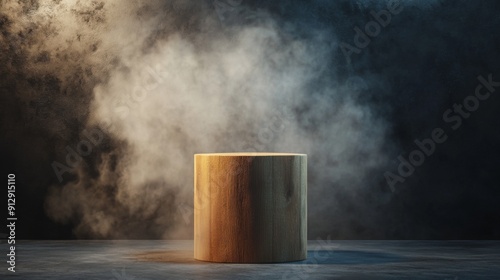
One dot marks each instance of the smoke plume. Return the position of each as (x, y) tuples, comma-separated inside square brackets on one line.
[(184, 80)]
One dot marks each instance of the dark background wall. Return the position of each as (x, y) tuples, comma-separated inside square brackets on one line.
[(353, 114)]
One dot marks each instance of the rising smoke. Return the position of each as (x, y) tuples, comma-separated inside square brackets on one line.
[(209, 88), (162, 80), (179, 80)]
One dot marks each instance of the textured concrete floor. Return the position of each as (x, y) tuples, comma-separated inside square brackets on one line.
[(127, 260)]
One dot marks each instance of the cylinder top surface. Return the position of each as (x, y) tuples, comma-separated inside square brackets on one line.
[(249, 154)]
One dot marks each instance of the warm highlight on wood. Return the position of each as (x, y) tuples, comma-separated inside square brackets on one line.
[(250, 207)]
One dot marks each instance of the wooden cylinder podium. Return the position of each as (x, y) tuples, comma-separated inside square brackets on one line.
[(250, 207)]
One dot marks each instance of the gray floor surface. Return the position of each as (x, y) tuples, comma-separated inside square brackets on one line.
[(127, 260)]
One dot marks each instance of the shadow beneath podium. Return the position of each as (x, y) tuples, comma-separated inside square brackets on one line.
[(343, 257), (350, 257), (171, 256)]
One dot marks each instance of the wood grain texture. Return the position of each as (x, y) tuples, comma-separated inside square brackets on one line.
[(250, 207)]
